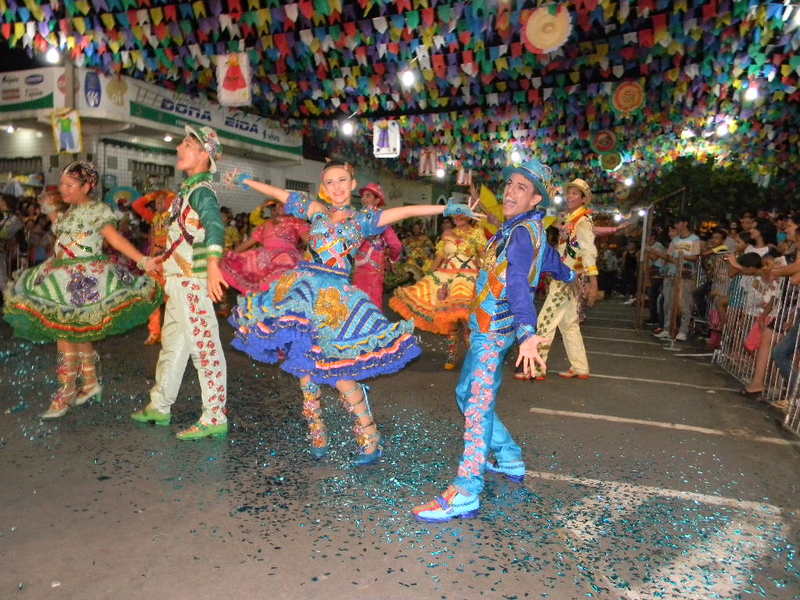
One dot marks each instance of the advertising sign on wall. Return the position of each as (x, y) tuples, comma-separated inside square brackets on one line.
[(32, 89), (129, 100)]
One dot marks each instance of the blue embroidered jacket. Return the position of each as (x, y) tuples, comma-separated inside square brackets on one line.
[(514, 260)]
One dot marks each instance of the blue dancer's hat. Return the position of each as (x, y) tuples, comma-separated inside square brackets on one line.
[(538, 174)]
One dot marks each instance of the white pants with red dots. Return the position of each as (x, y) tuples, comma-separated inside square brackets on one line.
[(190, 330)]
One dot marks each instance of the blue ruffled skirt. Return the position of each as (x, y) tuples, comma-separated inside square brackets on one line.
[(321, 326)]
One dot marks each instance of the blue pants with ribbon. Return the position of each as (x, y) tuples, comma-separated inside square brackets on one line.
[(476, 394)]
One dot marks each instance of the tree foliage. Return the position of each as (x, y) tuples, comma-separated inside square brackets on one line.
[(711, 192)]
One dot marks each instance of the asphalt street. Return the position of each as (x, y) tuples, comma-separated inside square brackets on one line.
[(652, 479)]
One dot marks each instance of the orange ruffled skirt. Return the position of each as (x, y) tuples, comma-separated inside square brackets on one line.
[(438, 301)]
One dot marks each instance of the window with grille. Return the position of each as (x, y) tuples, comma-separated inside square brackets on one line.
[(298, 186)]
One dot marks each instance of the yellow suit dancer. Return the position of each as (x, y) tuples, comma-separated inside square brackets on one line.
[(561, 307)]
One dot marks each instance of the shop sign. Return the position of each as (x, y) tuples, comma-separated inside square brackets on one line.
[(151, 105), (32, 89)]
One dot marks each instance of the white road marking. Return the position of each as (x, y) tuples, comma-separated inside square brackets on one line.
[(620, 487), (738, 543), (607, 339), (736, 433), (664, 382)]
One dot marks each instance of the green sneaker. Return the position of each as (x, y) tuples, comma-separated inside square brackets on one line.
[(199, 431), (150, 415)]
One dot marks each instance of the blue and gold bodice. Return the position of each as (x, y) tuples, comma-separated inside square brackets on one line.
[(491, 308), (515, 258), (332, 244)]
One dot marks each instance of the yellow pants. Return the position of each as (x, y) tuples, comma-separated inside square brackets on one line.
[(561, 310)]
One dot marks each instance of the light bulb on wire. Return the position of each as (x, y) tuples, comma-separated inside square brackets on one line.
[(52, 55), (516, 157), (407, 78), (440, 172), (348, 128), (557, 199), (642, 212), (168, 138), (751, 93), (617, 217), (722, 129), (628, 181)]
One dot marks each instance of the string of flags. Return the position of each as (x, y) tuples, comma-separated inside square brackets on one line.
[(558, 81)]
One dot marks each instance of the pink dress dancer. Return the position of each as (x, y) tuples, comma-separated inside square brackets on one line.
[(370, 265), (251, 271)]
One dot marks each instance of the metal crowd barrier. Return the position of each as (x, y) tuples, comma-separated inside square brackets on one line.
[(739, 312)]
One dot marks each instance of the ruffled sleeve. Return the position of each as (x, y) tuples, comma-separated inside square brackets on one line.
[(298, 204), (102, 215), (368, 222)]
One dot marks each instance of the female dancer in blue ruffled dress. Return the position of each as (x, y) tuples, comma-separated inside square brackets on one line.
[(324, 328)]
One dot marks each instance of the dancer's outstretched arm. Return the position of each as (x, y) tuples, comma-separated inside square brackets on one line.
[(237, 178), (393, 215)]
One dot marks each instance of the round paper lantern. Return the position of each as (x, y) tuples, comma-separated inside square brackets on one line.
[(604, 141), (121, 196), (628, 97), (611, 161), (546, 28)]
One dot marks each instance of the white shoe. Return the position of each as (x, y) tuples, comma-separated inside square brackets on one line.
[(629, 302), (681, 337), (662, 335)]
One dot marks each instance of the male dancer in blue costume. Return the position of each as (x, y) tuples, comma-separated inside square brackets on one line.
[(503, 313)]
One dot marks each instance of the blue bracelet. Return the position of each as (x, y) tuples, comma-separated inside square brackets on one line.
[(456, 208), (239, 180)]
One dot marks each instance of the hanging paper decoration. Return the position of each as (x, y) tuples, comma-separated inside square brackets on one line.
[(546, 29), (604, 141), (611, 161), (427, 162), (463, 176), (492, 209), (67, 131), (628, 97), (233, 79), (386, 139)]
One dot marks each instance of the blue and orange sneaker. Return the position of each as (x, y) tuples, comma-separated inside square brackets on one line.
[(452, 504)]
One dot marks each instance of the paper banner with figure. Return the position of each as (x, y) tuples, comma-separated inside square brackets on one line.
[(464, 176), (386, 139), (67, 131), (427, 162), (233, 79)]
